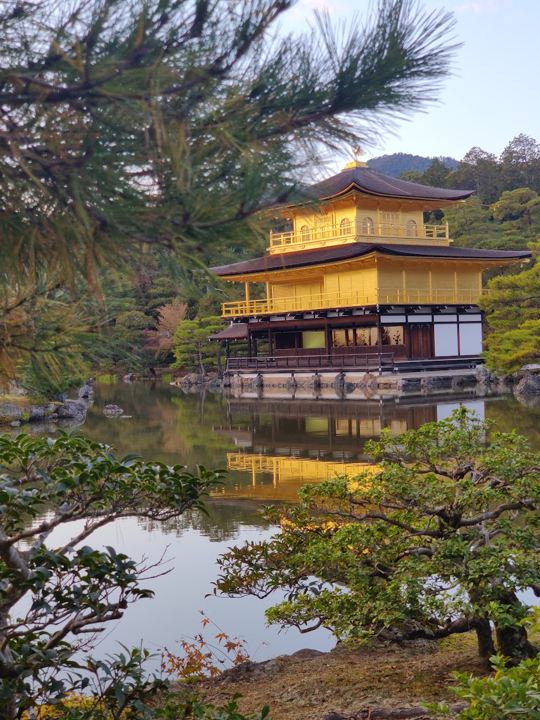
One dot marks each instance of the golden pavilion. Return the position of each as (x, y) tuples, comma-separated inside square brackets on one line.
[(359, 282)]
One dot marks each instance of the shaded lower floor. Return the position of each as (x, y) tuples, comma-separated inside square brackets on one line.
[(376, 340)]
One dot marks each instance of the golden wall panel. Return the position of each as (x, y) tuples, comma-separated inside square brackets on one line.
[(468, 279), (417, 279), (442, 279)]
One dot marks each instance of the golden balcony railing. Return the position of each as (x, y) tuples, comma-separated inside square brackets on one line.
[(337, 300), (360, 232)]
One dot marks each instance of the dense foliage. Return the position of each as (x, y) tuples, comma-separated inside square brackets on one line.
[(510, 694), (513, 312), (489, 176), (52, 596), (439, 538)]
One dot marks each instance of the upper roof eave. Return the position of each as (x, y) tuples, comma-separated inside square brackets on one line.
[(354, 186), (368, 181), (306, 258)]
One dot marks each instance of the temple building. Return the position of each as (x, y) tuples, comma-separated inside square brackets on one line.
[(360, 283)]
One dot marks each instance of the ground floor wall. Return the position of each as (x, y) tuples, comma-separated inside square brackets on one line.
[(407, 333)]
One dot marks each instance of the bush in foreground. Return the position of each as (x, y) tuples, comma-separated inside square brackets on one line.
[(53, 597), (439, 538)]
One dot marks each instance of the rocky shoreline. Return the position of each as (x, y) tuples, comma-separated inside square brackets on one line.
[(64, 413), (524, 384)]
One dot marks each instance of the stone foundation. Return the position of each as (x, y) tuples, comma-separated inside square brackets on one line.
[(351, 385)]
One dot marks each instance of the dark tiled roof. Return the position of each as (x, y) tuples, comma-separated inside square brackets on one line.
[(302, 258), (367, 180), (235, 331)]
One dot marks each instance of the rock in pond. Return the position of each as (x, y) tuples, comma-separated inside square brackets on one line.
[(85, 392), (10, 412), (528, 385), (112, 410), (192, 379), (75, 409)]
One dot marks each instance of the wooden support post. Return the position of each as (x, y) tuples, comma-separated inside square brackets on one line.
[(379, 342), (247, 296), (219, 365), (328, 330)]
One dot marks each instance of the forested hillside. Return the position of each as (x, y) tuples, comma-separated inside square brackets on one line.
[(505, 210), (504, 213), (397, 163)]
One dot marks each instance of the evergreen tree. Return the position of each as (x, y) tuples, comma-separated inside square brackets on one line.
[(171, 123), (470, 222), (440, 537), (517, 204), (436, 175), (520, 164), (192, 348), (513, 316), (478, 171)]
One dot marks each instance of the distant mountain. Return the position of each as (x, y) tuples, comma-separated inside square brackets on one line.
[(394, 165)]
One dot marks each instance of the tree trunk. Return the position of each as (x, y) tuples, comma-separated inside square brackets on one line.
[(201, 363), (486, 647), (512, 641)]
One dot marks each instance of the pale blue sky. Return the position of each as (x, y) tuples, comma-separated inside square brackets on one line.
[(495, 92)]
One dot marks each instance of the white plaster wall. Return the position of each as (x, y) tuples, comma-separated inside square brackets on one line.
[(470, 339), (446, 340)]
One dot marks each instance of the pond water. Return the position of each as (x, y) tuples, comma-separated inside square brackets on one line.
[(271, 448)]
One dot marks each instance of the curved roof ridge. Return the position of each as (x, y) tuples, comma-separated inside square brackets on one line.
[(372, 182)]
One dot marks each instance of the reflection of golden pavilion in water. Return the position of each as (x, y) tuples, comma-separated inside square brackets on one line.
[(287, 469), (290, 443)]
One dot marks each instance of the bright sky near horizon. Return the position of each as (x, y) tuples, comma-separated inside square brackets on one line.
[(494, 92)]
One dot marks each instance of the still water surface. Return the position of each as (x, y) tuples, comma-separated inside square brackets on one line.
[(271, 448)]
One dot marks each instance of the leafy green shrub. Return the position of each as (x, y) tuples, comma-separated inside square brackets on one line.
[(511, 694)]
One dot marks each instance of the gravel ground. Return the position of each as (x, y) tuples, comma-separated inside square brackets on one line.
[(309, 684)]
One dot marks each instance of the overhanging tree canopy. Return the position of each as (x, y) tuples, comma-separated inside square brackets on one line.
[(69, 590), (126, 123), (439, 541)]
